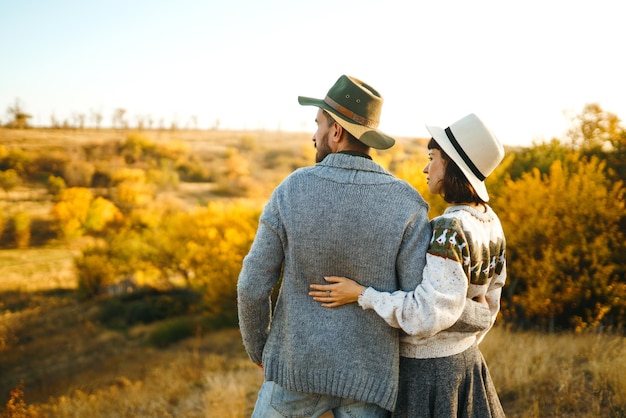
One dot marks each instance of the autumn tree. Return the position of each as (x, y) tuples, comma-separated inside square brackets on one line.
[(130, 189), (95, 271), (77, 212), (599, 133), (201, 250), (206, 248), (539, 156), (101, 214), (563, 237), (78, 120), (118, 119), (96, 117), (20, 117), (595, 129), (71, 210)]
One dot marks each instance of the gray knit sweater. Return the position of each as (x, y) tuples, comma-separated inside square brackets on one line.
[(345, 216)]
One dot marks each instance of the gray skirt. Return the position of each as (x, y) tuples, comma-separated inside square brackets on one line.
[(455, 386)]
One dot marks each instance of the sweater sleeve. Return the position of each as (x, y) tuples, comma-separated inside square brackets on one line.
[(411, 257), (475, 318), (493, 296), (433, 306), (440, 299), (259, 274)]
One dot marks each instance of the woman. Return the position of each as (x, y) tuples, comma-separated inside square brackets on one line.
[(442, 372)]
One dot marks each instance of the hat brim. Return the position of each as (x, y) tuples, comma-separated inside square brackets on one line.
[(370, 137), (439, 135)]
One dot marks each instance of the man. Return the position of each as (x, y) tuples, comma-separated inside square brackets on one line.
[(344, 216)]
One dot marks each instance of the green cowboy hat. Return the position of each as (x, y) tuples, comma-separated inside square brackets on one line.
[(357, 108)]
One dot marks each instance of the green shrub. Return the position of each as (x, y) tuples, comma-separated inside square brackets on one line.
[(172, 330), (146, 306)]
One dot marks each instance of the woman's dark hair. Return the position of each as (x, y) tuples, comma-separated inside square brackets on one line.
[(455, 186)]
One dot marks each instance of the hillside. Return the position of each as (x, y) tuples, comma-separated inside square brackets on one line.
[(54, 342), (156, 353)]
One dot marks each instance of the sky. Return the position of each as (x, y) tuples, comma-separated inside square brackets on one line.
[(525, 67)]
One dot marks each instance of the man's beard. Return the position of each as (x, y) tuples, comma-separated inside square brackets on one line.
[(322, 148)]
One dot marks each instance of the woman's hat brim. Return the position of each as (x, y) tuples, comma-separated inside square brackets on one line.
[(370, 137)]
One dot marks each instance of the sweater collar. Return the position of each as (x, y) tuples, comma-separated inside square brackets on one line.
[(346, 161), (356, 154), (479, 214)]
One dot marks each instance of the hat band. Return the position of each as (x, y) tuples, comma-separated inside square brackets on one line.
[(463, 155), (350, 114)]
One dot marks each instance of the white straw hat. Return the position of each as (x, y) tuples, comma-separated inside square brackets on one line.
[(473, 147)]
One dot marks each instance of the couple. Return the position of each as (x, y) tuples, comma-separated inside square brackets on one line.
[(426, 292)]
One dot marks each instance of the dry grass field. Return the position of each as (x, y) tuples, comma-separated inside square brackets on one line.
[(57, 360), (73, 367), (199, 141)]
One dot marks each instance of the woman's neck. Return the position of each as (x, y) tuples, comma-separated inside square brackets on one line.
[(474, 205)]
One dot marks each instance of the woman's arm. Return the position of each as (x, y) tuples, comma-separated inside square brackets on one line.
[(341, 292), (476, 315), (433, 306), (438, 303)]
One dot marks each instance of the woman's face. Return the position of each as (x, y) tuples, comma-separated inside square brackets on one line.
[(434, 170)]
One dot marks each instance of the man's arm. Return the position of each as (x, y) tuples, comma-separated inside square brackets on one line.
[(259, 274), (411, 258)]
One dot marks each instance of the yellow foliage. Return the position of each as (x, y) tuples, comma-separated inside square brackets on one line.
[(236, 165), (562, 229), (135, 146), (132, 188), (129, 194), (101, 213), (207, 247), (77, 212), (173, 150), (133, 175), (71, 210)]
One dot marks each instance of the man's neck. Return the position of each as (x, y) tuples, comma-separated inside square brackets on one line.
[(349, 147)]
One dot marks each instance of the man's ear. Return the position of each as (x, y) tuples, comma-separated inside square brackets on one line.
[(337, 132)]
